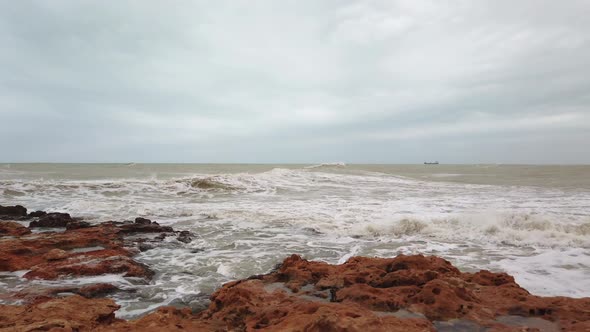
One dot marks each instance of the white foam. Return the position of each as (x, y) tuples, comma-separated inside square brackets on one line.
[(251, 221)]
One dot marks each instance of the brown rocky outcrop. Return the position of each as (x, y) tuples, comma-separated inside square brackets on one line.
[(405, 293), (11, 228)]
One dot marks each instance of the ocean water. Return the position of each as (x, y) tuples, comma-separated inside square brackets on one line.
[(530, 221)]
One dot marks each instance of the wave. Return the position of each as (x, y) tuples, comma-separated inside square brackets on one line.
[(211, 184), (326, 165), (507, 228)]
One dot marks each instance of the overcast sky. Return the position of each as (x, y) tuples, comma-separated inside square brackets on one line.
[(295, 81)]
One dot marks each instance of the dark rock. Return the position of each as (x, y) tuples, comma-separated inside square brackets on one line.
[(13, 211), (145, 247), (77, 225), (161, 236), (184, 236), (37, 214), (143, 228), (54, 219), (142, 221)]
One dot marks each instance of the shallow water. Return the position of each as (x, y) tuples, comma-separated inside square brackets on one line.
[(530, 221)]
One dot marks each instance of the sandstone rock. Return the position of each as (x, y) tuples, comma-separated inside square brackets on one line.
[(73, 313), (90, 264), (10, 228), (96, 290), (405, 293), (55, 254)]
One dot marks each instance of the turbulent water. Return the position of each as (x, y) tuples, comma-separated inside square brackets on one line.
[(530, 221)]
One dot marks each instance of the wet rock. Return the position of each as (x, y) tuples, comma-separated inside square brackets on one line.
[(10, 228), (144, 247), (37, 214), (72, 313), (144, 228), (184, 236), (96, 290), (405, 293), (8, 212), (142, 221), (161, 236), (98, 262), (54, 219), (77, 225)]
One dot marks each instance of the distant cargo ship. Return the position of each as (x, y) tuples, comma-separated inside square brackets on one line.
[(430, 163)]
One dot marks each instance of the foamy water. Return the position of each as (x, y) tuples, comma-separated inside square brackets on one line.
[(534, 225)]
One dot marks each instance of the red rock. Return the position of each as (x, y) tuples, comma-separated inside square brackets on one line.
[(11, 228), (96, 290), (73, 313), (91, 263), (55, 254), (405, 293)]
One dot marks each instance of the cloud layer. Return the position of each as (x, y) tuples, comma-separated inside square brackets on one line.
[(295, 81)]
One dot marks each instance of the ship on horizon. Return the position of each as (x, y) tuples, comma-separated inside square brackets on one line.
[(431, 163)]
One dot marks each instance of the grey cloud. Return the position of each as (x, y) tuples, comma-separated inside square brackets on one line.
[(295, 81)]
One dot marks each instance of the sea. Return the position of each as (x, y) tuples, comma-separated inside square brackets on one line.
[(531, 221)]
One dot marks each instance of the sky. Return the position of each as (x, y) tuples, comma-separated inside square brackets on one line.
[(301, 81)]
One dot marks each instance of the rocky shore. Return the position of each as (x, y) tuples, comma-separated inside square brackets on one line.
[(404, 293)]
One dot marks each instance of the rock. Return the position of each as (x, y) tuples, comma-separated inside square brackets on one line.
[(25, 252), (77, 225), (404, 293), (144, 247), (37, 214), (184, 236), (54, 219), (13, 211), (114, 261), (142, 221), (10, 228), (144, 228), (96, 290), (72, 313), (55, 254)]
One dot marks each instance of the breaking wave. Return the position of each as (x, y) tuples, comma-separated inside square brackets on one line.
[(326, 165)]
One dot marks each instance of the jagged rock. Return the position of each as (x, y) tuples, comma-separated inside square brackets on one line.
[(37, 214), (10, 228), (144, 228), (77, 225), (73, 313), (6, 212), (184, 236), (96, 290), (405, 293), (142, 221), (90, 264), (53, 219), (144, 247)]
